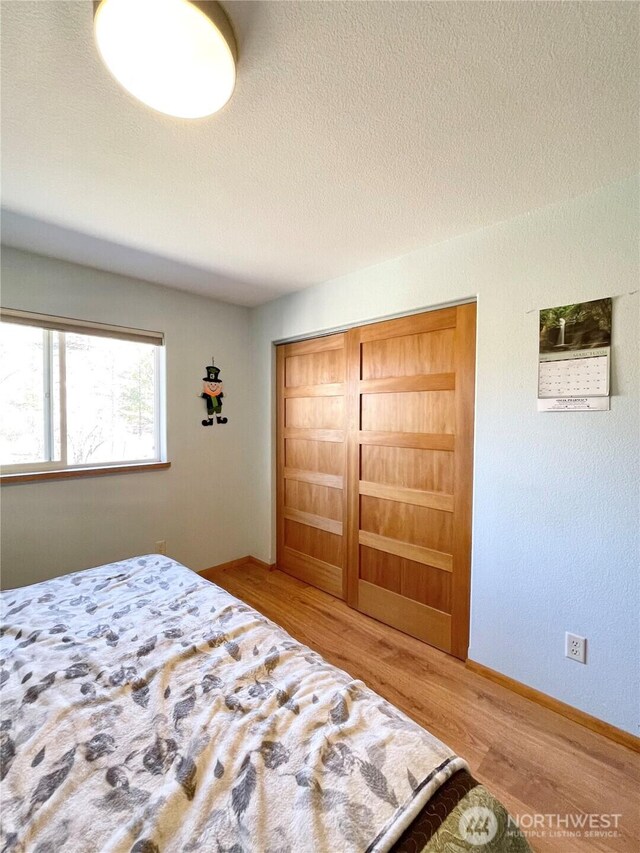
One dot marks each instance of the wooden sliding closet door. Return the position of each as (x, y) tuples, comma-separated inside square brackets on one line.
[(410, 400), (375, 446), (311, 459)]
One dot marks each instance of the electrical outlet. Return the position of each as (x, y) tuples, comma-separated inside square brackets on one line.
[(161, 546), (575, 647)]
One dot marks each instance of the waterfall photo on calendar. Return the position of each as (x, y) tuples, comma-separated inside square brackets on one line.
[(583, 325)]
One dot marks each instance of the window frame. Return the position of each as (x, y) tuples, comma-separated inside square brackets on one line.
[(63, 325)]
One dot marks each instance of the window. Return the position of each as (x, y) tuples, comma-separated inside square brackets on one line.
[(74, 395)]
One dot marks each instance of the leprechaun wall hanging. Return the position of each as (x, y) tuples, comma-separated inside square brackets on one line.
[(212, 394)]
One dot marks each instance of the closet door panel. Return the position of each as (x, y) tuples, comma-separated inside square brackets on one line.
[(409, 355), (426, 584), (410, 392), (311, 513), (314, 541), (314, 412), (418, 525), (408, 467), (409, 411), (413, 580), (381, 569), (316, 368), (315, 499), (321, 457), (312, 571)]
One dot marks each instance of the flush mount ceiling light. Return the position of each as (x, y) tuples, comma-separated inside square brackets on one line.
[(176, 56)]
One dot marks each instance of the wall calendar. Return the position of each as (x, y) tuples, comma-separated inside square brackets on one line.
[(574, 357)]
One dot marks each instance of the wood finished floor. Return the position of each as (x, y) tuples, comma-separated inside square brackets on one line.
[(532, 759)]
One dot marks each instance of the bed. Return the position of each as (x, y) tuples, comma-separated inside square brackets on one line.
[(145, 709)]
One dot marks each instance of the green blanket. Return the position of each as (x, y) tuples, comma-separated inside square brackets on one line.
[(462, 816)]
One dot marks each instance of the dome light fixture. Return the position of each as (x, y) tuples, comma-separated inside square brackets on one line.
[(176, 56)]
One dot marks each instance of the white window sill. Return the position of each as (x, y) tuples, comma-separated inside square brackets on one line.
[(73, 473)]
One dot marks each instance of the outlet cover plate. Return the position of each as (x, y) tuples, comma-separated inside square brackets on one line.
[(575, 647)]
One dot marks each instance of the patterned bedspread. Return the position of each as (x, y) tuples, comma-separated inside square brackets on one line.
[(145, 709)]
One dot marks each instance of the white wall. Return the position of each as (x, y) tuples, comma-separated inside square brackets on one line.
[(556, 496), (199, 505)]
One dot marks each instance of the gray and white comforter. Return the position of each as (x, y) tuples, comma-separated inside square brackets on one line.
[(145, 709)]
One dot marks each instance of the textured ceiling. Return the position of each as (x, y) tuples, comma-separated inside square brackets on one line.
[(358, 131)]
